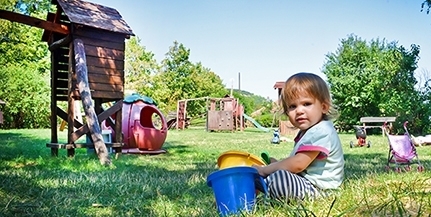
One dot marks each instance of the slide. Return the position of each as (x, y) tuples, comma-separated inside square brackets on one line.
[(255, 123)]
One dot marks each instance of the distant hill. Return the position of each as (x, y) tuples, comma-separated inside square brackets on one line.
[(250, 101), (258, 99)]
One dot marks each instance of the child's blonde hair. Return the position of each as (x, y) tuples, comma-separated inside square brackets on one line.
[(311, 84)]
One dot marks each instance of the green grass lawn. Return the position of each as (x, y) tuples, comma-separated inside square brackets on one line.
[(32, 183)]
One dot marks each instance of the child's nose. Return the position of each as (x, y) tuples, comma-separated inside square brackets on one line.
[(300, 109)]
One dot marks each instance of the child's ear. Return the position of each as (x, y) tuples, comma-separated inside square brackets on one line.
[(325, 108)]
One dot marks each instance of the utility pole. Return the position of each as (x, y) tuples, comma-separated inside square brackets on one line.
[(239, 82), (231, 88)]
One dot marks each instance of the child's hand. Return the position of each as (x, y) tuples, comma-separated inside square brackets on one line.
[(260, 170)]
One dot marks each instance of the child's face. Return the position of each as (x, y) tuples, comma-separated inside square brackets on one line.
[(306, 111)]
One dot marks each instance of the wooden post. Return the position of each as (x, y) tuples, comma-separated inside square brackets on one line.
[(87, 103), (241, 116), (70, 102), (185, 115), (118, 128), (54, 135), (178, 114)]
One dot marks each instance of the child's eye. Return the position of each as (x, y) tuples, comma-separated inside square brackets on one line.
[(291, 107), (307, 104)]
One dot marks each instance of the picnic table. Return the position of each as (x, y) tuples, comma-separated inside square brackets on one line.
[(373, 120)]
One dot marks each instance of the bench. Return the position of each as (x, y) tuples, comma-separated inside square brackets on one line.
[(366, 120)]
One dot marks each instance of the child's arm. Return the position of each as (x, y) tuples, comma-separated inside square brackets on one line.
[(294, 164), (273, 160)]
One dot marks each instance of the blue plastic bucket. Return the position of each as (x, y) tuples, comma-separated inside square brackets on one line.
[(234, 189)]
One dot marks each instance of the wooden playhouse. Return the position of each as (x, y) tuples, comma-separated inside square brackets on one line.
[(102, 32), (222, 114), (96, 34)]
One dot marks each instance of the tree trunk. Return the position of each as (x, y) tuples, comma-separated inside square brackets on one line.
[(87, 103)]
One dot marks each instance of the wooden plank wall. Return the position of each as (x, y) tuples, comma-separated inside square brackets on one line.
[(287, 129), (220, 120), (105, 61)]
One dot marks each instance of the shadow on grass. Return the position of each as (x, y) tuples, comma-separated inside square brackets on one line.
[(19, 153), (358, 166), (176, 147), (32, 183), (13, 145)]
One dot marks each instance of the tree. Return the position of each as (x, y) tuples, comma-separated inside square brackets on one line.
[(24, 68), (426, 5), (27, 95), (140, 68), (180, 79), (175, 79), (375, 79)]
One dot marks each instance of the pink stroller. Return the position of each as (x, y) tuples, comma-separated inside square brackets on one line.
[(402, 151)]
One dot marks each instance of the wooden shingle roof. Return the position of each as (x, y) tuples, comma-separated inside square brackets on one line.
[(94, 15)]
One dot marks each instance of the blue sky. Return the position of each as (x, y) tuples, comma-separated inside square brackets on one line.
[(267, 41)]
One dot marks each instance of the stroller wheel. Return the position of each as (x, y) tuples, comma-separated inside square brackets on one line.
[(387, 168), (408, 168), (421, 168), (351, 144), (398, 170), (369, 144)]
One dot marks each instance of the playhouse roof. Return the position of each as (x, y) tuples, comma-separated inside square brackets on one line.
[(94, 15), (279, 85)]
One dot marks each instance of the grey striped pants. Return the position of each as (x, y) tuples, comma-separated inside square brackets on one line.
[(287, 185)]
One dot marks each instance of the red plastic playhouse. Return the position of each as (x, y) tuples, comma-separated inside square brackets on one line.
[(144, 126)]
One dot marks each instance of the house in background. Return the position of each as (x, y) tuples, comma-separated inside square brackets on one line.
[(285, 127)]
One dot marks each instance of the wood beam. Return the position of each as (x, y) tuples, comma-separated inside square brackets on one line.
[(62, 42), (87, 102), (32, 21), (116, 108)]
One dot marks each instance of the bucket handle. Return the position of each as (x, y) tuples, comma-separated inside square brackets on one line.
[(265, 190), (262, 182)]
